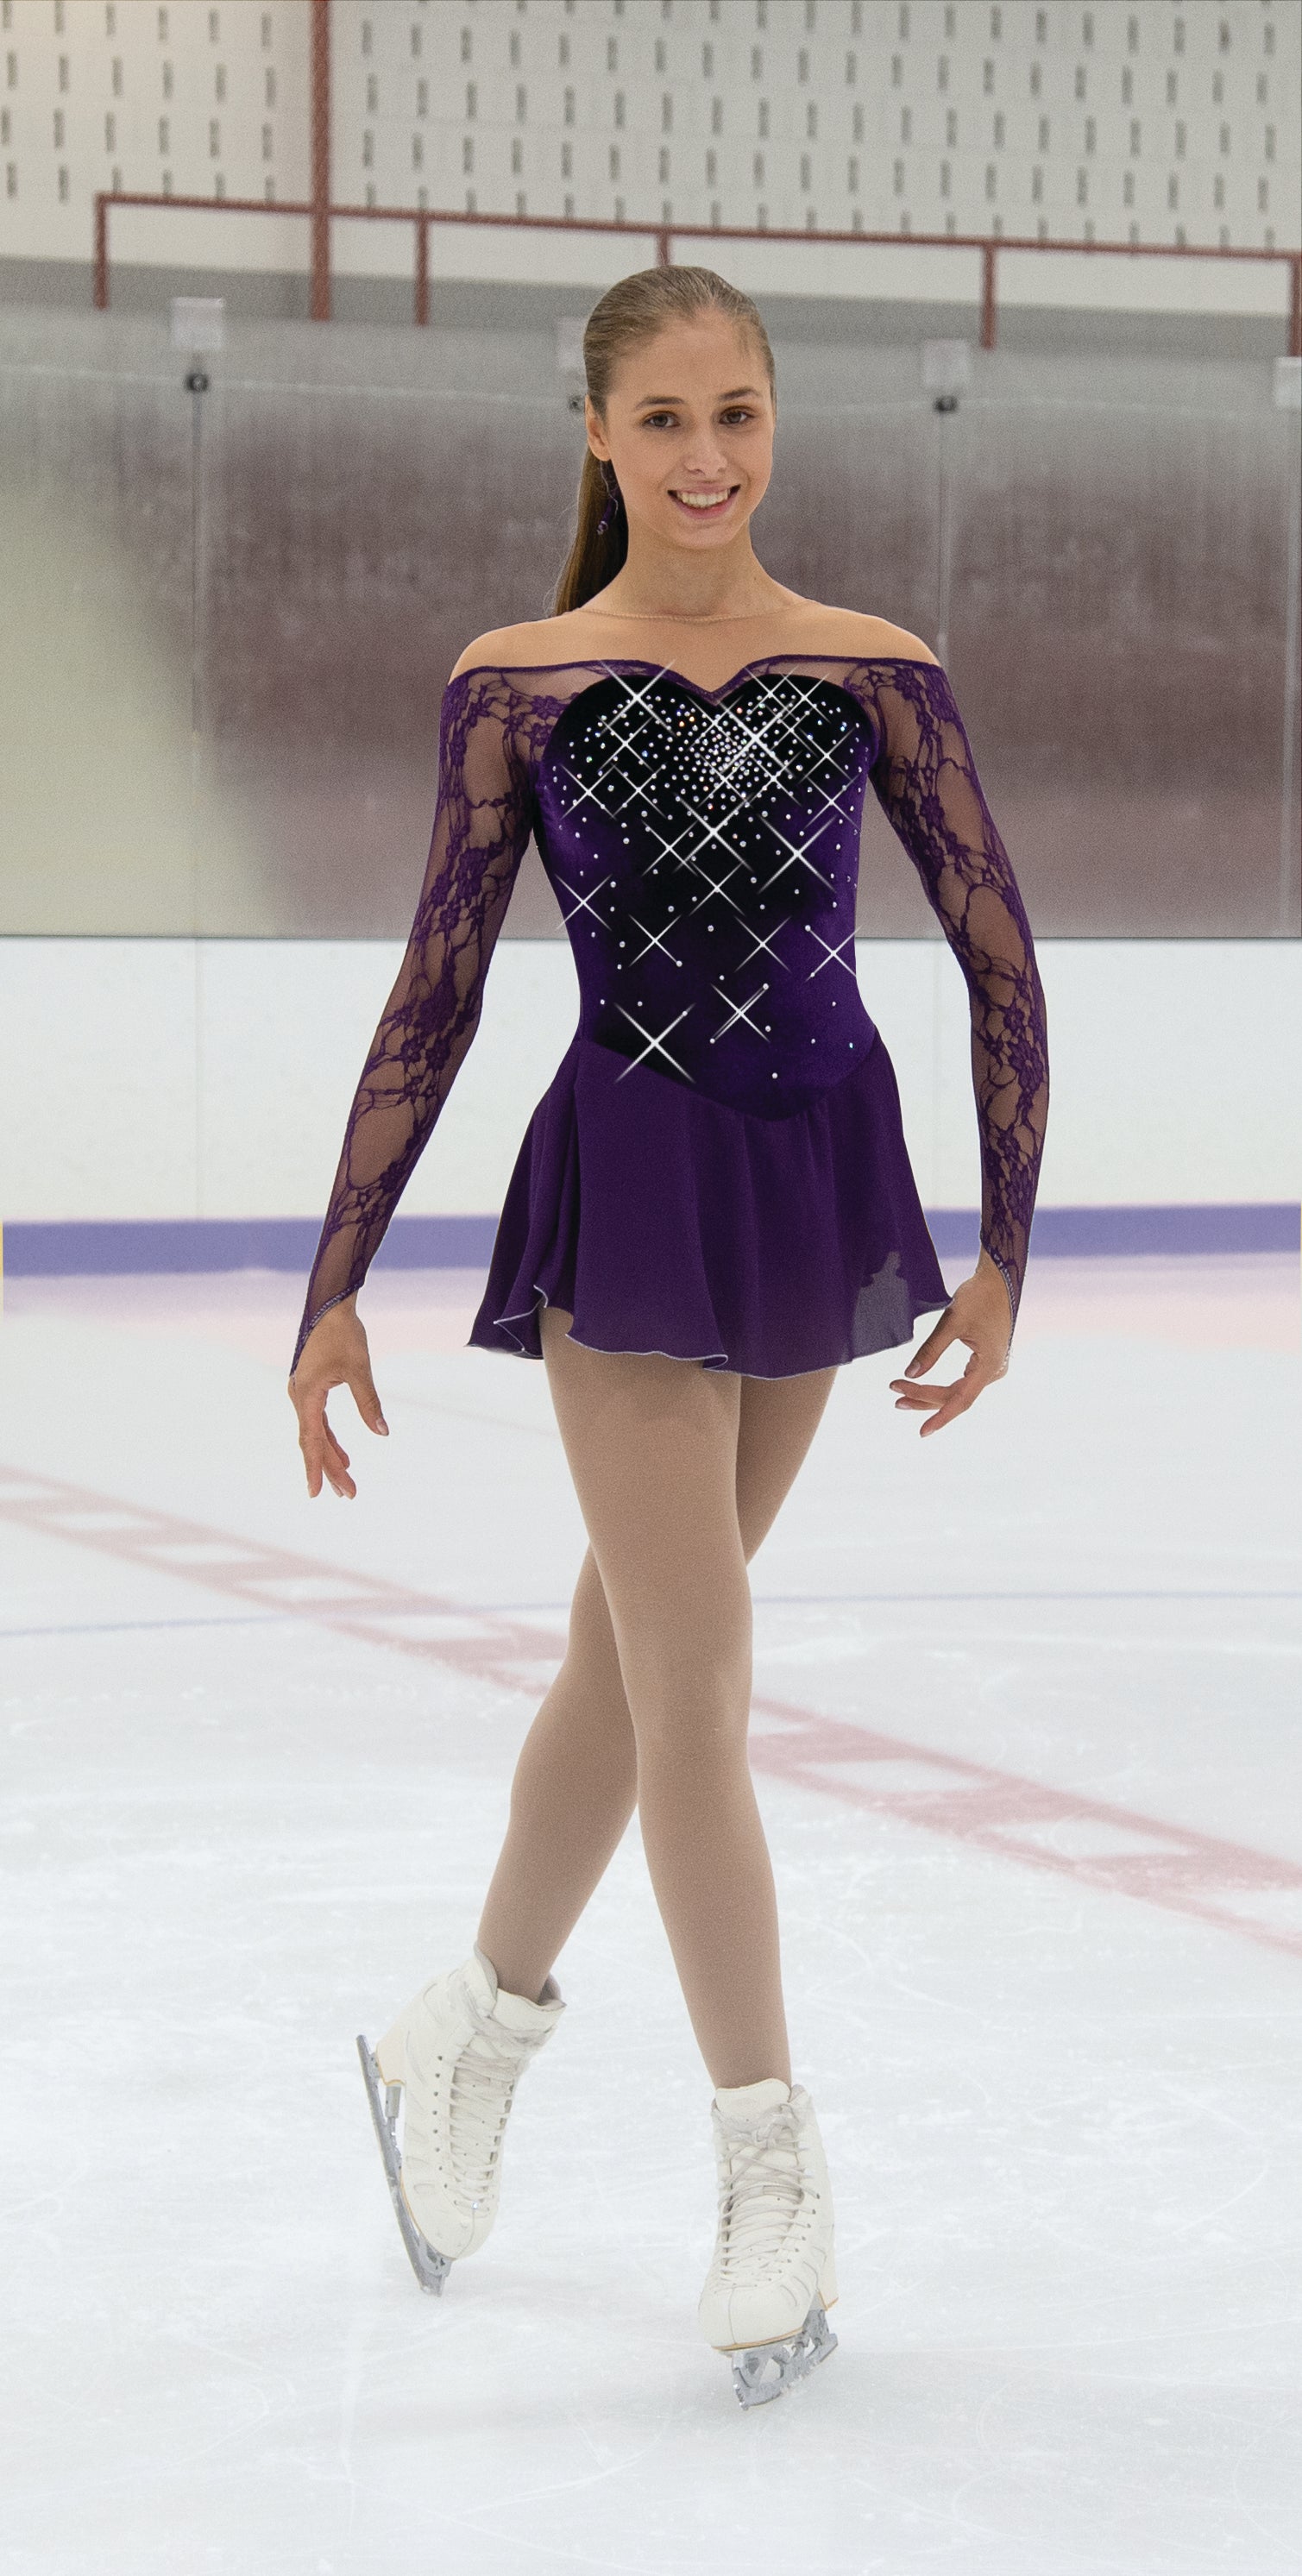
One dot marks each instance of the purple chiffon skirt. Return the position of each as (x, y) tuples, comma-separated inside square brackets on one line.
[(663, 1221)]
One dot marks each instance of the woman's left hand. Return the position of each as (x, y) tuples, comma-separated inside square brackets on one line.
[(977, 1314)]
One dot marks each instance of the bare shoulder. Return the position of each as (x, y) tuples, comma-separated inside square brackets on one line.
[(873, 639), (534, 642), (539, 641)]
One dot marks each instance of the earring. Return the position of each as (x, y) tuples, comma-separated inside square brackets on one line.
[(614, 493)]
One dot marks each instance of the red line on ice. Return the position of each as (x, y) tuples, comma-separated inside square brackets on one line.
[(1182, 1871), (1179, 1870)]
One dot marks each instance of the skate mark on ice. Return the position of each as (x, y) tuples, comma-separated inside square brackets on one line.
[(1117, 1850)]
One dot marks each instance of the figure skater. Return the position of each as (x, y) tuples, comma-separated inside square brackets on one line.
[(712, 1210)]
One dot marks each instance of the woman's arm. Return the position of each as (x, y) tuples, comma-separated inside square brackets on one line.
[(926, 783), (481, 827)]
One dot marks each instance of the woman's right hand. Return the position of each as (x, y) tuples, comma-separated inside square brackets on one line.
[(334, 1354)]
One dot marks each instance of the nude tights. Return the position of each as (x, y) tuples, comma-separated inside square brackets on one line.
[(679, 1471)]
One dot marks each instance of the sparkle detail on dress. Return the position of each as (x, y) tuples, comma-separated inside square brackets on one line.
[(734, 824), (703, 846)]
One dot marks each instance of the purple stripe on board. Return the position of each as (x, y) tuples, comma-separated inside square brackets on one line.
[(1252, 1226), (112, 1246), (1255, 1226)]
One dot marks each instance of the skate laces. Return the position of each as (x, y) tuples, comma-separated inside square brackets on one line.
[(763, 2193), (483, 2082)]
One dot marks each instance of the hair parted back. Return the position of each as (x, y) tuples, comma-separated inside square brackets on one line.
[(631, 311)]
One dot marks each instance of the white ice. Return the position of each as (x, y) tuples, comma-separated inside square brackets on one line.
[(1061, 2105)]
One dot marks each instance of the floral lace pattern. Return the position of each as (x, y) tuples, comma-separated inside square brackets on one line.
[(926, 783), (489, 739), (494, 729)]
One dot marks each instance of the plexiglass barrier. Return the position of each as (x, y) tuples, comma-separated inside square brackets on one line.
[(229, 613)]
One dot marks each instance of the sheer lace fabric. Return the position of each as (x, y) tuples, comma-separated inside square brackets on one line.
[(495, 732), (926, 783)]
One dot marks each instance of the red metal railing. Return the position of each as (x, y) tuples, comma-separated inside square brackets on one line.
[(321, 213), (320, 151)]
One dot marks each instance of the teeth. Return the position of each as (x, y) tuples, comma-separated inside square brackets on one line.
[(701, 500)]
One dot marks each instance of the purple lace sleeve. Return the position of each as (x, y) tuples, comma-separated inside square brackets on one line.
[(481, 828), (926, 783)]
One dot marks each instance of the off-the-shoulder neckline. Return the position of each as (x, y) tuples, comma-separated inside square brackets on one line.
[(640, 662)]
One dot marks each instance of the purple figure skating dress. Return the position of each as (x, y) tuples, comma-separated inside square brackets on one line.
[(718, 1170)]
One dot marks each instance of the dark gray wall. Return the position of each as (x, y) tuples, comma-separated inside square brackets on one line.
[(236, 612)]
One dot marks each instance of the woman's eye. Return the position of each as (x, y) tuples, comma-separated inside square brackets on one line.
[(734, 413)]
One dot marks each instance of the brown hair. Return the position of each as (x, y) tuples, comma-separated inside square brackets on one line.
[(633, 310)]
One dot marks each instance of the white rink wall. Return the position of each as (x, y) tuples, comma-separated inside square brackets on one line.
[(178, 1078)]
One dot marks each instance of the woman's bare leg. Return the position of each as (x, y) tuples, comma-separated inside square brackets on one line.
[(680, 1472)]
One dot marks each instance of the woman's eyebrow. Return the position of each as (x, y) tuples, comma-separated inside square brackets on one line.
[(735, 394)]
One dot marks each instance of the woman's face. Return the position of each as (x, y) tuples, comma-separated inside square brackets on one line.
[(689, 431)]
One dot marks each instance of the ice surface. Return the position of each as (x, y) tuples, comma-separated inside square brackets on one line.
[(1027, 1742)]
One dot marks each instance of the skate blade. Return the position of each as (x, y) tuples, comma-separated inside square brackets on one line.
[(765, 2370), (431, 2269)]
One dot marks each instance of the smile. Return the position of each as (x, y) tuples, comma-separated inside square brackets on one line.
[(706, 505)]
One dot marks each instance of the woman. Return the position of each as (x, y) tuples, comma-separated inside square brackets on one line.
[(711, 1211)]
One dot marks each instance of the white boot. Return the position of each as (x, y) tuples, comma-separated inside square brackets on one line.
[(452, 2059), (773, 2276)]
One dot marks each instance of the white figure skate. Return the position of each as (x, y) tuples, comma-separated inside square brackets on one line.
[(451, 2061), (773, 2277)]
